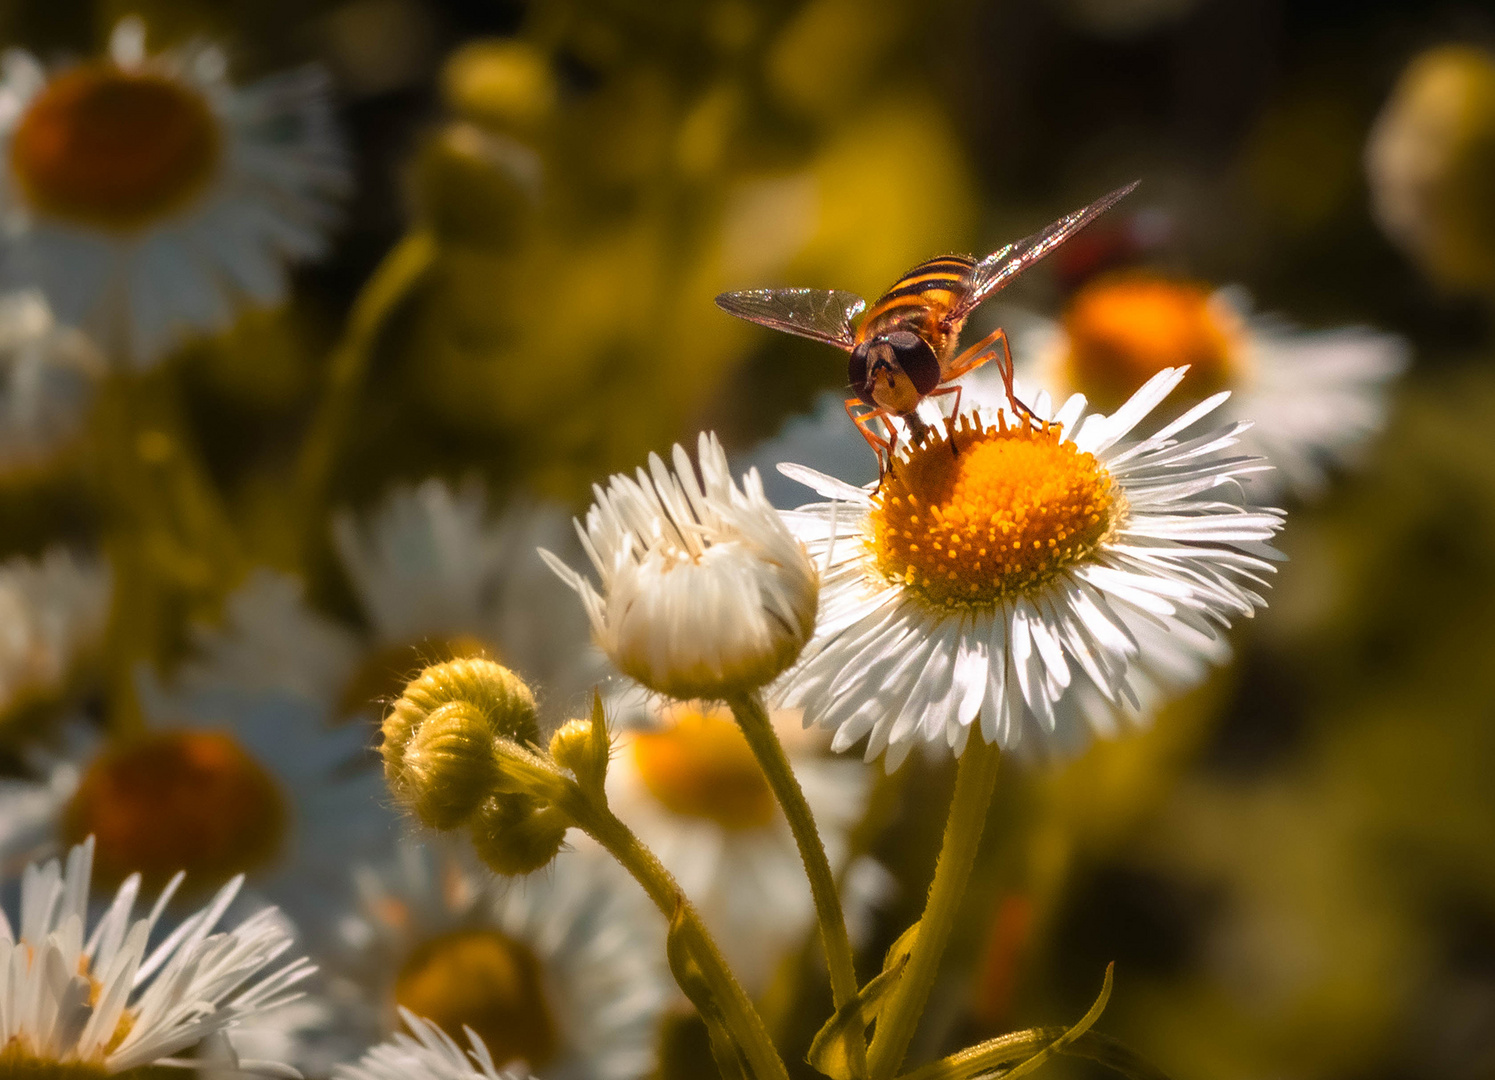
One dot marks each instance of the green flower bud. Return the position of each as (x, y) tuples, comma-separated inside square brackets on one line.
[(513, 837), (583, 747), (439, 737)]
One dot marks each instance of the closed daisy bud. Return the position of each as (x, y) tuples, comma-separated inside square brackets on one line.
[(705, 592), (513, 837), (438, 738), (583, 747)]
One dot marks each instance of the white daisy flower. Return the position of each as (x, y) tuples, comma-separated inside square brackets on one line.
[(704, 590), (147, 195), (53, 612), (427, 1053), (561, 970), (48, 374), (998, 582), (1315, 398), (223, 782), (75, 1001), (689, 786), (438, 577)]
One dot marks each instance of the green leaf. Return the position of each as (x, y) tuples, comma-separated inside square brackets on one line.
[(1059, 1044), (828, 1050), (679, 950)]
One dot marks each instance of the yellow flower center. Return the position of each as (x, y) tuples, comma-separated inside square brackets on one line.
[(114, 149), (485, 980), (381, 678), (1004, 515), (1124, 329), (701, 766), (179, 800)]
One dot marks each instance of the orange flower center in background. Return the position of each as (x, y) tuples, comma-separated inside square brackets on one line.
[(114, 149), (383, 674), (485, 980), (179, 800), (701, 766), (1004, 515), (1122, 330)]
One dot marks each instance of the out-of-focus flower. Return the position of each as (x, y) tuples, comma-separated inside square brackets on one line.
[(997, 582), (561, 970), (147, 195), (80, 1002), (1430, 160), (437, 578), (52, 616), (705, 592), (222, 786), (1315, 399), (48, 373), (427, 1053), (689, 786)]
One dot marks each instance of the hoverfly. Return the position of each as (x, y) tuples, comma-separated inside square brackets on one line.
[(905, 349)]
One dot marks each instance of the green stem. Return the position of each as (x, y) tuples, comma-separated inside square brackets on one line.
[(974, 781), (742, 1019), (753, 718), (401, 270)]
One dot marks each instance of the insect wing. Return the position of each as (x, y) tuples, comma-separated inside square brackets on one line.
[(1001, 266), (819, 314)]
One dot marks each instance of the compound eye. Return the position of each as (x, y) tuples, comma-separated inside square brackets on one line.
[(917, 359), (856, 374)]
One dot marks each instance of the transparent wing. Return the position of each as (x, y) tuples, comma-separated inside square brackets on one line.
[(820, 314), (1001, 266)]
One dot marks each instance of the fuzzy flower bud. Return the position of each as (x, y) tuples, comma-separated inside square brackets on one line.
[(513, 836), (705, 592), (439, 737)]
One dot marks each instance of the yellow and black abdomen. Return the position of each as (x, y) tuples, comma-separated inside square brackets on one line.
[(918, 301)]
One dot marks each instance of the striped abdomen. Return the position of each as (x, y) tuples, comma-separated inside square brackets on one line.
[(919, 300)]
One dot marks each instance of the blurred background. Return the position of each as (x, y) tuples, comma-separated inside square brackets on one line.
[(1294, 866)]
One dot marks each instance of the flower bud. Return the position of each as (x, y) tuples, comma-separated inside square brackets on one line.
[(439, 737), (513, 837), (583, 747)]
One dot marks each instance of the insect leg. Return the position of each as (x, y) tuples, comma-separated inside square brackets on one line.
[(954, 413), (880, 446), (980, 353)]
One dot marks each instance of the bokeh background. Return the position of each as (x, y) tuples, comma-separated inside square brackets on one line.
[(1294, 869)]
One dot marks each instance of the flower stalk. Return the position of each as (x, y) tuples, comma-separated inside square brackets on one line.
[(756, 726), (975, 779)]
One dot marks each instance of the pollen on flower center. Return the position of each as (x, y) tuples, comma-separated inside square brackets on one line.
[(113, 148), (701, 766), (180, 800), (1122, 330), (485, 980), (1004, 515)]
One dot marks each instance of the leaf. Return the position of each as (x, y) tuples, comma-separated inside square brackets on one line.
[(828, 1048), (1115, 1055), (678, 950), (1058, 1045)]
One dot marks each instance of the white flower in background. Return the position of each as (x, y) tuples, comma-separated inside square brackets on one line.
[(999, 582), (704, 590), (1315, 399), (53, 612), (223, 782), (427, 1053), (76, 1001), (687, 783), (48, 374), (438, 577), (147, 195), (562, 970)]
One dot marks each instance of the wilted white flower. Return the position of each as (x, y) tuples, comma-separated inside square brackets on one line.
[(101, 1000), (148, 195), (705, 592), (998, 582)]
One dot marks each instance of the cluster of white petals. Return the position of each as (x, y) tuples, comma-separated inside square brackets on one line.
[(428, 1053), (67, 994), (705, 591)]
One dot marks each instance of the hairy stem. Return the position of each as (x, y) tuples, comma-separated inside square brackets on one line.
[(753, 718), (975, 779)]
